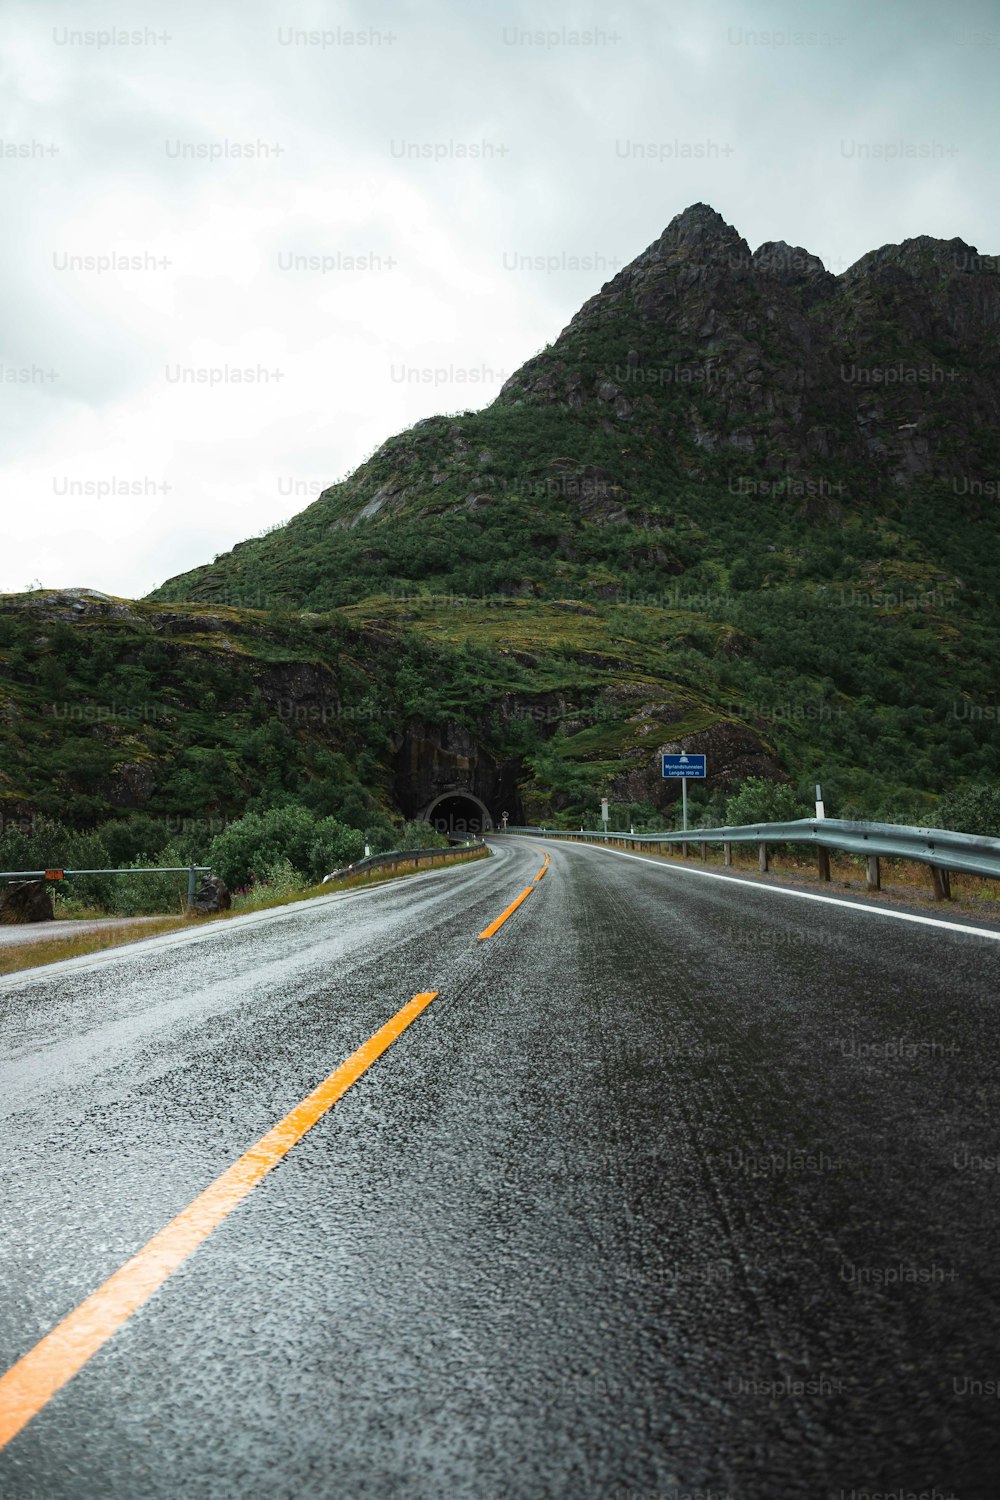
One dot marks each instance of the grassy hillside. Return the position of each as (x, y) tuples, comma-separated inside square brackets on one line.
[(740, 506)]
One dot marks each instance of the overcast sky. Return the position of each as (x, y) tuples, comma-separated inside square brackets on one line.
[(448, 142)]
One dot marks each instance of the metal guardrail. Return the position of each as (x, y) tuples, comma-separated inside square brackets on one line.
[(189, 870), (939, 848), (394, 856)]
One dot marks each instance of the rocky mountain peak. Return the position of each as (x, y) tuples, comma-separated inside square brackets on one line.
[(921, 256), (704, 231), (789, 263)]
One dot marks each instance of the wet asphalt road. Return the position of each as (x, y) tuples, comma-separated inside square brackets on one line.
[(678, 1186)]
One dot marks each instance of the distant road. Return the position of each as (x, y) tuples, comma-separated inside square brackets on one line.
[(677, 1184)]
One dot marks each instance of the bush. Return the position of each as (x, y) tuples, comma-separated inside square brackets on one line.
[(760, 801), (245, 851), (278, 880), (46, 845), (149, 895), (418, 835), (336, 844), (973, 809), (138, 835)]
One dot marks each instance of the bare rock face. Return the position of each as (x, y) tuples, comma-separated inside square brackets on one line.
[(26, 901), (790, 263), (131, 786), (212, 895), (732, 752), (71, 604), (435, 759), (787, 354)]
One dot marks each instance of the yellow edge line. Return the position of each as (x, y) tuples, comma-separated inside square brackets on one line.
[(488, 932), (38, 1375)]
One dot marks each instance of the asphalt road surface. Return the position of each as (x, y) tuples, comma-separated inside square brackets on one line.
[(679, 1187)]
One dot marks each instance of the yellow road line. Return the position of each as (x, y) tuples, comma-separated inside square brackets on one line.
[(38, 1375), (488, 932), (494, 927)]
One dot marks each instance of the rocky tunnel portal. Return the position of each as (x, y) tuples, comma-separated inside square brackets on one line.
[(459, 815)]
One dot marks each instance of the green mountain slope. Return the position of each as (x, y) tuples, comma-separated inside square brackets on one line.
[(740, 506), (708, 410)]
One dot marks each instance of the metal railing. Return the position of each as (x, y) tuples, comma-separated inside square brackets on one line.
[(940, 849), (398, 856), (56, 875)]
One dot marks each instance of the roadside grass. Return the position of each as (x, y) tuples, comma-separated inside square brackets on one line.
[(121, 933), (35, 955), (904, 876)]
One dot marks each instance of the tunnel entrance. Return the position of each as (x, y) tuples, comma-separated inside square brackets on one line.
[(459, 814)]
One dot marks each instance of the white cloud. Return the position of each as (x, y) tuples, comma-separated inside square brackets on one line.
[(553, 183)]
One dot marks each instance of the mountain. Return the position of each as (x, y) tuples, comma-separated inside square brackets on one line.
[(703, 387), (740, 506)]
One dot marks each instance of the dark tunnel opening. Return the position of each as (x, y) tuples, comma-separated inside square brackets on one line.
[(459, 816)]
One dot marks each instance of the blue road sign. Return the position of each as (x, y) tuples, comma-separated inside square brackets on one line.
[(684, 765)]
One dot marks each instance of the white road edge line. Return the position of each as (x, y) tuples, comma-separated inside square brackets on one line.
[(784, 890)]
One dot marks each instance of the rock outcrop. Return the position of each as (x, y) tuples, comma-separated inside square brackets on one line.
[(212, 895), (26, 901)]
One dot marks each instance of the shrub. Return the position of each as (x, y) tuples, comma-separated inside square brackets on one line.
[(279, 879), (973, 809), (149, 895), (244, 852), (335, 844), (760, 801), (46, 845), (419, 835), (126, 839)]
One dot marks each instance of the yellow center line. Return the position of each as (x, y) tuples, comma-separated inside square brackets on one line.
[(494, 927), (38, 1375), (488, 932)]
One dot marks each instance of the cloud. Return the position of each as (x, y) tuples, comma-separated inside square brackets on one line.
[(327, 206)]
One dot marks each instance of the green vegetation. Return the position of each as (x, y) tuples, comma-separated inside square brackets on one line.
[(278, 854), (284, 844), (290, 846), (759, 801), (974, 809), (797, 575)]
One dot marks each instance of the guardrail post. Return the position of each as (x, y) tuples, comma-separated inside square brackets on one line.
[(942, 883), (823, 859), (704, 849), (684, 851), (191, 886), (762, 857), (874, 872), (727, 851)]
